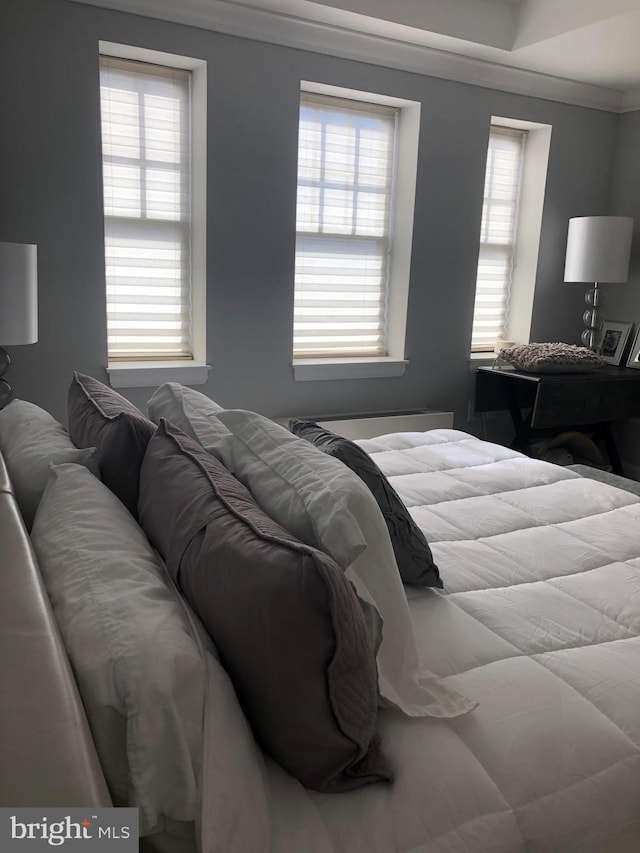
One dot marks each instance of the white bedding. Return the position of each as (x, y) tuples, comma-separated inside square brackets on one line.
[(540, 624)]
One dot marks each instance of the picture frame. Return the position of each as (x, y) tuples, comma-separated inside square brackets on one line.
[(615, 335), (634, 355)]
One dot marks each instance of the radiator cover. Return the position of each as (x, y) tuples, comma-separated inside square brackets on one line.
[(372, 424)]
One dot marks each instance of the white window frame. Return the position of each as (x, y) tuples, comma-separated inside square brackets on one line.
[(401, 231), (525, 254), (132, 374)]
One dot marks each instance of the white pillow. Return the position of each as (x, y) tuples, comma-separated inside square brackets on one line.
[(30, 440), (156, 698), (191, 411), (323, 503)]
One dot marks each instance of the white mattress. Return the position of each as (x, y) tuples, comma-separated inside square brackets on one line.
[(540, 623)]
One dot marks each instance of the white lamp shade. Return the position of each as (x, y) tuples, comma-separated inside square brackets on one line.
[(598, 249), (18, 294)]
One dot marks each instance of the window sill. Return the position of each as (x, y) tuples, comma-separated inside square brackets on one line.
[(314, 369), (132, 374)]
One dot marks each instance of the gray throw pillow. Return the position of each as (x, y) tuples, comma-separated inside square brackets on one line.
[(287, 624), (100, 417), (411, 549)]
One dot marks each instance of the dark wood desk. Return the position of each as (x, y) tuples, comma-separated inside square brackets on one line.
[(543, 404)]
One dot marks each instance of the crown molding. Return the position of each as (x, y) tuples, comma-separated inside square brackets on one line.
[(233, 18), (630, 101)]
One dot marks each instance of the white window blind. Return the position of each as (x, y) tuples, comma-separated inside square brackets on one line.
[(497, 236), (146, 150), (346, 154)]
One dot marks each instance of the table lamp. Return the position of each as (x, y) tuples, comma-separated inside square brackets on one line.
[(598, 250), (18, 304)]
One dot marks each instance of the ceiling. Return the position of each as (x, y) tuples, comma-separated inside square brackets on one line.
[(578, 51)]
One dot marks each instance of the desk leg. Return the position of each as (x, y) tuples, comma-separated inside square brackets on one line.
[(522, 427), (612, 450)]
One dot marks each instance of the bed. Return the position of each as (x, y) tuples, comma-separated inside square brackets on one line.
[(538, 628), (541, 624)]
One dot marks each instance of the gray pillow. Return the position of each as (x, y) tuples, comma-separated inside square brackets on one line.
[(100, 417), (411, 549), (288, 625), (31, 440)]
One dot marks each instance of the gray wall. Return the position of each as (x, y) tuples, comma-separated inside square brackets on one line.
[(623, 301), (51, 194)]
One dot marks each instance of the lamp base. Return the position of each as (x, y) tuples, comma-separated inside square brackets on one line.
[(593, 319), (6, 392)]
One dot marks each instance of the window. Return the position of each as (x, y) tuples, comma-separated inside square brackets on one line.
[(346, 166), (498, 234), (146, 150)]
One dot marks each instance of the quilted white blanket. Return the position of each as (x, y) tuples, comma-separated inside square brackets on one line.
[(540, 623)]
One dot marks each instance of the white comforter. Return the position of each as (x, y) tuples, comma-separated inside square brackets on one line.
[(540, 624)]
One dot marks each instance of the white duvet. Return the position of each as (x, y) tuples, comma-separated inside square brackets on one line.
[(540, 623)]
